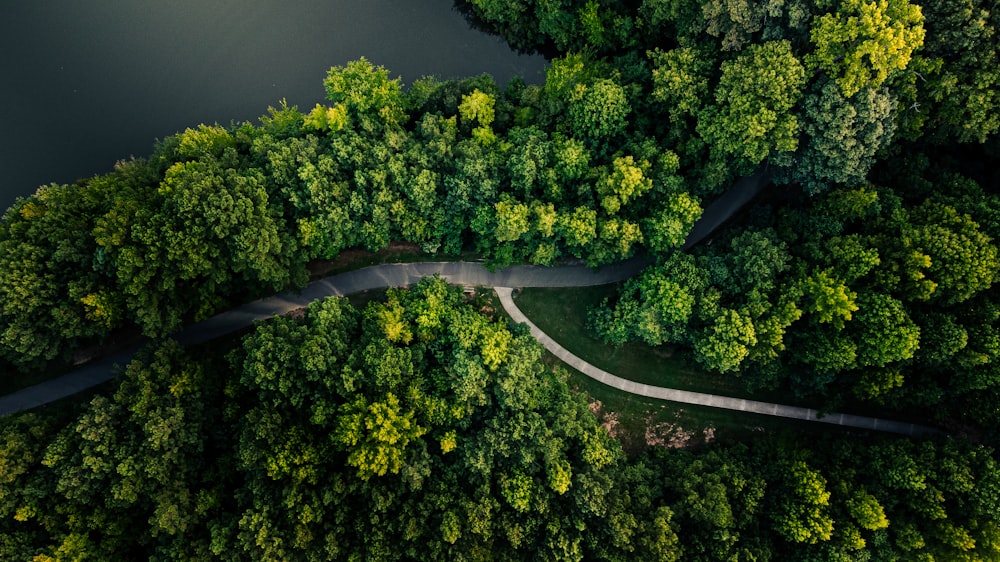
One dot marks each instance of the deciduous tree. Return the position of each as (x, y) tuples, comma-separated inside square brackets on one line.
[(865, 41)]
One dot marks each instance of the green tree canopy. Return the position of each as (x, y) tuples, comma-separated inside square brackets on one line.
[(752, 116), (865, 41)]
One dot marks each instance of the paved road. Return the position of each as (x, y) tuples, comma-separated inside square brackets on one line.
[(699, 398), (741, 193), (382, 276), (375, 277)]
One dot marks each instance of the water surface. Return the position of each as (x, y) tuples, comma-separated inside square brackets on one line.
[(88, 82)]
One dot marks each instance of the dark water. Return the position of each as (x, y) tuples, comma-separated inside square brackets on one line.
[(88, 82)]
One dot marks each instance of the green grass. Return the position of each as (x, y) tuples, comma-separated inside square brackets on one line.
[(562, 313), (683, 424)]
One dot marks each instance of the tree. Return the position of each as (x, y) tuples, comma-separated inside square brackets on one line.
[(801, 515), (885, 333), (571, 163), (529, 164), (512, 220), (842, 135), (726, 342), (367, 93), (752, 116), (616, 240), (669, 224), (956, 78), (131, 474), (963, 260), (756, 261), (851, 257), (315, 193), (827, 299), (598, 111), (941, 337), (376, 435), (625, 183), (52, 297), (715, 497), (178, 250), (735, 21), (681, 79), (479, 107), (578, 228), (826, 351), (865, 42)]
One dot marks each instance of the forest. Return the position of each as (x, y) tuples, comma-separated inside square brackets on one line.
[(421, 425)]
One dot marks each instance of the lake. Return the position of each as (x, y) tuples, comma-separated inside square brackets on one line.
[(89, 82)]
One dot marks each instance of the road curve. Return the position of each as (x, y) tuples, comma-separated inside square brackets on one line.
[(699, 398), (466, 273), (398, 275), (374, 277)]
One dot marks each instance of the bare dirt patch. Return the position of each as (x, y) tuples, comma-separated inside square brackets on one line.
[(354, 258), (652, 433), (608, 420)]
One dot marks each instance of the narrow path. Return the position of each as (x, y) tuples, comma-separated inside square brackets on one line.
[(699, 398)]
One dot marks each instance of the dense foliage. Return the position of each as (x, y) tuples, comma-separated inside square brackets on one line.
[(648, 108), (876, 288), (217, 216), (420, 429), (854, 293)]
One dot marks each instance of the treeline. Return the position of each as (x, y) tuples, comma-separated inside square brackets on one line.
[(919, 68), (420, 429), (220, 215), (648, 108)]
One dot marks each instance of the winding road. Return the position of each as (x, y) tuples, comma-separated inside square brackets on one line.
[(458, 273), (374, 277), (466, 273)]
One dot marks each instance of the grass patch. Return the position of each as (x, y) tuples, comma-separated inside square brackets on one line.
[(562, 313), (638, 421)]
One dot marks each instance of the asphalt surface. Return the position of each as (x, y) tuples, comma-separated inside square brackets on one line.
[(458, 273), (727, 205), (374, 277)]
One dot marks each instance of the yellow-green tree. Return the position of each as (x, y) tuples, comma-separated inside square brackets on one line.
[(752, 115), (865, 41)]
